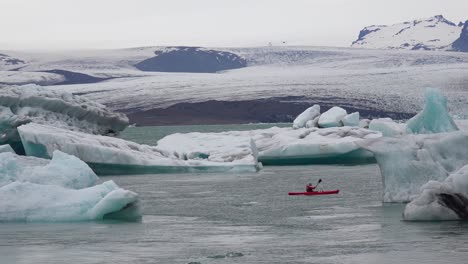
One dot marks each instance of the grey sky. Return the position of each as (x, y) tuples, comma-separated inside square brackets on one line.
[(73, 24)]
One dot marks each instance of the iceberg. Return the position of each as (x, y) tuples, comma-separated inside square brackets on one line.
[(408, 162), (281, 146), (27, 202), (113, 156), (351, 119), (387, 126), (434, 118), (63, 170), (333, 117), (308, 115), (31, 103), (441, 200), (6, 148), (336, 145)]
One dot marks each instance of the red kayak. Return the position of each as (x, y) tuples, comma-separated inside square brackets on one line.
[(315, 193)]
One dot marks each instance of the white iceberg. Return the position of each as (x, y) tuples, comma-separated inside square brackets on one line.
[(308, 115), (408, 162), (387, 126), (30, 103), (280, 146), (312, 123), (441, 200), (434, 118), (351, 119), (333, 117), (109, 155), (63, 170), (6, 148), (25, 201), (313, 146)]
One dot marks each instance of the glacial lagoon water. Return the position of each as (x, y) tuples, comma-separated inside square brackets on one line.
[(245, 218)]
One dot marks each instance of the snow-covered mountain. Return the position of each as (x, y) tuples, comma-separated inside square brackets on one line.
[(435, 33), (461, 44)]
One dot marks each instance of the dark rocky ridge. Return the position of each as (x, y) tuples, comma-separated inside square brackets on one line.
[(269, 110), (191, 59), (461, 44), (7, 60), (76, 77)]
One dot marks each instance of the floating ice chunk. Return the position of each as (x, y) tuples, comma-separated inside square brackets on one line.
[(309, 114), (6, 148), (445, 200), (24, 201), (408, 162), (279, 146), (434, 118), (213, 147), (109, 155), (387, 126), (312, 123), (63, 170), (364, 123), (351, 119), (333, 117), (314, 146), (30, 103)]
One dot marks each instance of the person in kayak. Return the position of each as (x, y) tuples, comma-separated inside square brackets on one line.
[(311, 188)]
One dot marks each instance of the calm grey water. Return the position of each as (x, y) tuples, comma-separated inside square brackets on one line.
[(246, 218)]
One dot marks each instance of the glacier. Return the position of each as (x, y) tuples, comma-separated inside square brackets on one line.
[(113, 156), (434, 118), (441, 200), (31, 103)]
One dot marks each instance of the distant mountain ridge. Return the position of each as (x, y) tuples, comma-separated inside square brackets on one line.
[(434, 33)]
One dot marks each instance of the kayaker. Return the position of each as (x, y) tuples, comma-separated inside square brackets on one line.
[(310, 187)]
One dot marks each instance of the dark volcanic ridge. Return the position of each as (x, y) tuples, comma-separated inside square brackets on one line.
[(269, 110), (76, 77), (191, 59), (461, 44)]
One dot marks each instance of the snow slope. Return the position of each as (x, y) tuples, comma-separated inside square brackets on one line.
[(434, 33)]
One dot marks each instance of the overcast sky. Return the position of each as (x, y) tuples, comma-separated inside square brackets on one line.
[(76, 24)]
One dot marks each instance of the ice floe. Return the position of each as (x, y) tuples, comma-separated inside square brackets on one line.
[(109, 155), (31, 103), (408, 162), (441, 200)]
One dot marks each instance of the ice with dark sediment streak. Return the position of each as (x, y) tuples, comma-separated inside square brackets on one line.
[(31, 103), (408, 162), (441, 200), (110, 155), (61, 189)]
